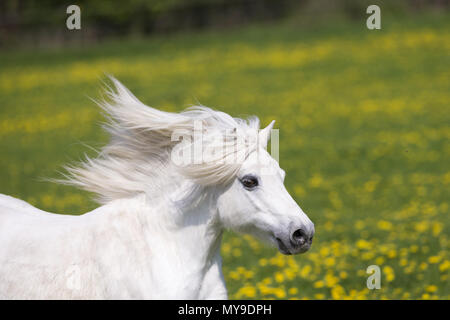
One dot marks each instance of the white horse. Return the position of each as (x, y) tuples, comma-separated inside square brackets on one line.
[(158, 232)]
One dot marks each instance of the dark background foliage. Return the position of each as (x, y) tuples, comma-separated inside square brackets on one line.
[(42, 22)]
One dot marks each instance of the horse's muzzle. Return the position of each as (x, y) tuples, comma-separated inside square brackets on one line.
[(299, 241)]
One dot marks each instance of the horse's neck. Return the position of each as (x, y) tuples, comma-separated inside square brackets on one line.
[(186, 243)]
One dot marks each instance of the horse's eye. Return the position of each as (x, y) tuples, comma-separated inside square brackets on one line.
[(249, 182)]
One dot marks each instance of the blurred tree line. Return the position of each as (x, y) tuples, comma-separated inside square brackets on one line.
[(38, 21)]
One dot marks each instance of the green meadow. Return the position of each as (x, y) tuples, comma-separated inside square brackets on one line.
[(364, 126)]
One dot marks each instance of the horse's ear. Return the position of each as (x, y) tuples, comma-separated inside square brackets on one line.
[(264, 135)]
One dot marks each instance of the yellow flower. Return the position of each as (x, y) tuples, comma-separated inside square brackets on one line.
[(290, 273), (305, 271), (437, 228), (246, 291), (236, 252), (319, 284), (431, 288), (293, 291), (392, 253), (422, 226), (389, 272), (234, 275), (331, 280), (226, 248), (324, 251), (299, 191), (444, 266), (384, 225), (379, 260), (368, 255), (369, 186), (279, 277), (278, 260), (434, 259), (329, 262), (316, 181), (363, 244), (403, 262), (337, 292), (263, 262), (279, 293)]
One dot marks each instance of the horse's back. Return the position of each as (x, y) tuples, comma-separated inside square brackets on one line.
[(11, 205), (20, 221), (40, 252), (37, 249)]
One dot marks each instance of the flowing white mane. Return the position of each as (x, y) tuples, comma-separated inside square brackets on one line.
[(137, 158)]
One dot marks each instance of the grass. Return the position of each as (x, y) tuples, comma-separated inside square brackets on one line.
[(364, 131)]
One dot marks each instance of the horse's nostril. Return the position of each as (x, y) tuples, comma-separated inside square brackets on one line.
[(299, 236)]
